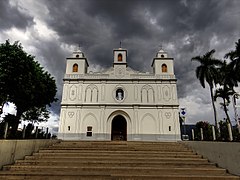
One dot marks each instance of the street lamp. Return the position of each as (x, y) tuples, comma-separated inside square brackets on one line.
[(235, 106)]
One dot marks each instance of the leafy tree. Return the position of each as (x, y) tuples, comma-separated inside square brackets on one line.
[(2, 125), (36, 115), (208, 72), (23, 81), (11, 120), (207, 131), (236, 134), (28, 131)]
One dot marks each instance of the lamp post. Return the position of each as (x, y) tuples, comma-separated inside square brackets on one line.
[(234, 97)]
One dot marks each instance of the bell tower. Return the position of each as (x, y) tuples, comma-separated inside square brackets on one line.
[(77, 63), (120, 57), (162, 64)]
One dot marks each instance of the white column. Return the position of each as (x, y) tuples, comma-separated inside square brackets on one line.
[(214, 134), (193, 137), (230, 131), (201, 131)]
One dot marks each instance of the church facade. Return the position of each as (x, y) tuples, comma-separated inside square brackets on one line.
[(119, 103)]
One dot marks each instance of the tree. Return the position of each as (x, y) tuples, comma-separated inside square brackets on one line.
[(227, 75), (11, 120), (28, 131), (207, 131), (226, 82), (234, 56), (23, 81), (224, 136), (224, 92), (36, 115), (208, 72)]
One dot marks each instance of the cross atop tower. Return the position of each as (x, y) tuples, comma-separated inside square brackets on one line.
[(160, 46)]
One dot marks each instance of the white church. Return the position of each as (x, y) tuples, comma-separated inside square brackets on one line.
[(119, 103)]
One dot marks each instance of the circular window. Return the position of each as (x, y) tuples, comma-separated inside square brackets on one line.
[(77, 56), (119, 94), (162, 56)]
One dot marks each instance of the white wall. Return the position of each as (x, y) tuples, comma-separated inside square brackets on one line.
[(225, 154), (11, 150)]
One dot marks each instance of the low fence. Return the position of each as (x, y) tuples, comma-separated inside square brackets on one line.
[(225, 154), (11, 150)]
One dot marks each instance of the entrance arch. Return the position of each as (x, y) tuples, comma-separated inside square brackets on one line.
[(119, 128)]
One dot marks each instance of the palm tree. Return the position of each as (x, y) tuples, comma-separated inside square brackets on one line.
[(227, 76), (234, 56), (207, 71), (226, 81), (225, 92)]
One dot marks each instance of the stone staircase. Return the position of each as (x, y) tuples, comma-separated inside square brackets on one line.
[(114, 160)]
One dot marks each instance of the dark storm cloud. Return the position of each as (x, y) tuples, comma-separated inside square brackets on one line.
[(52, 57), (11, 17), (191, 27)]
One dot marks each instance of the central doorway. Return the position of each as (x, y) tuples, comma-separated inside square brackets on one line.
[(119, 129)]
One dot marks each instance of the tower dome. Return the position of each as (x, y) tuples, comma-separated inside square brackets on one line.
[(78, 53), (161, 54)]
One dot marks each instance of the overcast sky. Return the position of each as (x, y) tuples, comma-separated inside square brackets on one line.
[(51, 29)]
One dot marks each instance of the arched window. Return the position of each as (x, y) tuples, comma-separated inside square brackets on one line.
[(119, 57), (164, 68), (75, 68)]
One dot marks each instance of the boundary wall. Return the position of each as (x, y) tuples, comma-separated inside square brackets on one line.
[(224, 154), (11, 150)]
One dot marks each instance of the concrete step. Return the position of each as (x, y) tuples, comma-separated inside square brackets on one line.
[(73, 149), (45, 175), (118, 152), (113, 155), (120, 170), (111, 164), (122, 158)]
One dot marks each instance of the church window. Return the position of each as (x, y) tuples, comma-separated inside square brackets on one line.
[(119, 94), (164, 68), (77, 56), (162, 56), (89, 131), (75, 68), (69, 128), (89, 128), (119, 57), (169, 128), (147, 94)]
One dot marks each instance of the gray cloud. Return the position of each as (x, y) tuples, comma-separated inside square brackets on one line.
[(10, 16)]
